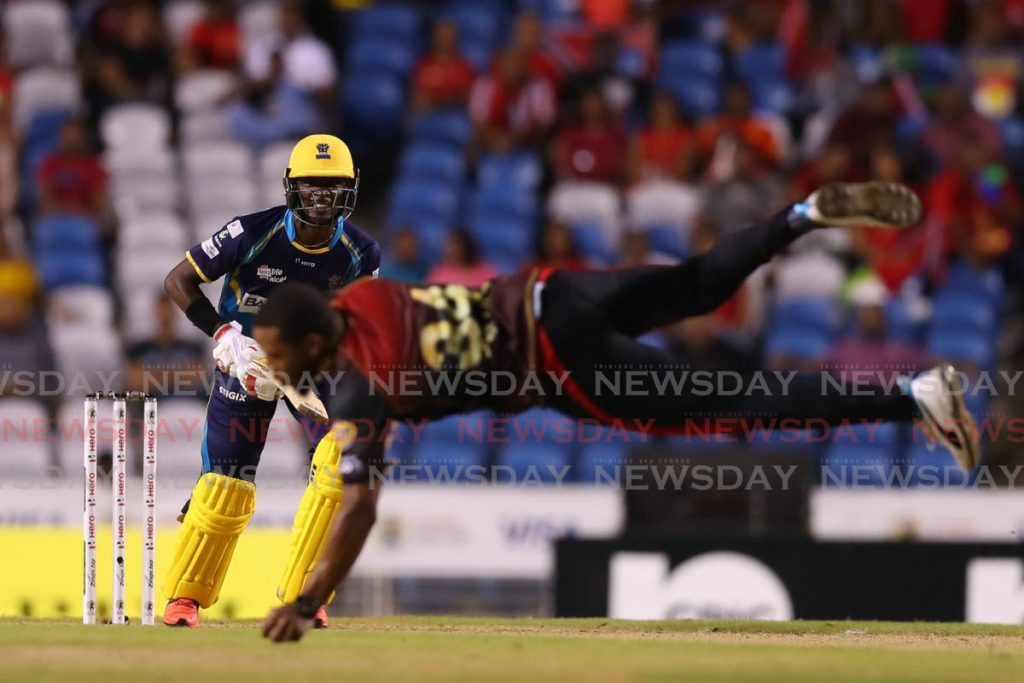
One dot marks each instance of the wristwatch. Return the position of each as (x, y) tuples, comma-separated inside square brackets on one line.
[(306, 606)]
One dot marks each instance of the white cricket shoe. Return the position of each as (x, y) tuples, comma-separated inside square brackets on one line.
[(874, 203), (945, 415)]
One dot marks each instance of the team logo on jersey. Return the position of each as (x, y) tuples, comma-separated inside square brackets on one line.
[(323, 151), (270, 274), (335, 282)]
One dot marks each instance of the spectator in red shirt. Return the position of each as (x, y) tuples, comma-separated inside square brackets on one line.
[(215, 41), (736, 123), (442, 78), (665, 148), (954, 123), (511, 108), (594, 149), (528, 37), (71, 179), (870, 122), (976, 206)]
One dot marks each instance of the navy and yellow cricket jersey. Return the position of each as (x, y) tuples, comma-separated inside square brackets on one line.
[(257, 252)]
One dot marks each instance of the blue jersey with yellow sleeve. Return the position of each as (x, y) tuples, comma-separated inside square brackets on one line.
[(257, 252)]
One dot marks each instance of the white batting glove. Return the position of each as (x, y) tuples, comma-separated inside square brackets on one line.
[(254, 376), (233, 348)]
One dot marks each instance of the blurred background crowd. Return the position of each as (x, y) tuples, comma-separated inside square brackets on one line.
[(494, 135)]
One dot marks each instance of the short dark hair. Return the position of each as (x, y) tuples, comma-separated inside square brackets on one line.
[(297, 311)]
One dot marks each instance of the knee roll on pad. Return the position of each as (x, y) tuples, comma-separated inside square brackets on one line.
[(220, 509), (320, 503)]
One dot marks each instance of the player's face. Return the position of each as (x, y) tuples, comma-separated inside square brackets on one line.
[(321, 198), (290, 360)]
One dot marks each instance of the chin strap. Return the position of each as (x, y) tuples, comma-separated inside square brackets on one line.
[(289, 228)]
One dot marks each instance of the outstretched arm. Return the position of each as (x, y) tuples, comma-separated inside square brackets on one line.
[(344, 543)]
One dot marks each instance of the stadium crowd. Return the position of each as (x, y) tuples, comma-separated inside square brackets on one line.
[(569, 133)]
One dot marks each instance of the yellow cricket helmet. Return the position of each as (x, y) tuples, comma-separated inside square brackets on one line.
[(321, 158)]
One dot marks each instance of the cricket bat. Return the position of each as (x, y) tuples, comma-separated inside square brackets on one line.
[(306, 402)]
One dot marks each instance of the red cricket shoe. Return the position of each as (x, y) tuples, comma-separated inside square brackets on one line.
[(320, 620), (182, 612)]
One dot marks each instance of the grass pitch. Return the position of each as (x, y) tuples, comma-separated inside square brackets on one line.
[(534, 650)]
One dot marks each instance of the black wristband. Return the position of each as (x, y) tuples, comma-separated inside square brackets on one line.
[(307, 607), (202, 314)]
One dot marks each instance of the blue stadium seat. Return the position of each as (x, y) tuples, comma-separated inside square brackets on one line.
[(764, 61), (521, 170), (774, 95), (504, 202), (463, 428), (66, 232), (934, 468), (537, 461), (374, 104), (698, 99), (443, 127), (965, 280), (954, 345), (70, 267), (969, 314), (935, 64), (806, 314), (688, 60), (393, 21), (44, 128), (899, 326), (432, 161), (802, 344), (445, 462), (477, 23), (600, 463), (867, 62), (551, 11), (591, 241), (503, 238), (862, 455), (668, 240), (380, 57), (422, 200)]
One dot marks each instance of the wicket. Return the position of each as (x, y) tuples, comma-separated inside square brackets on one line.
[(119, 516)]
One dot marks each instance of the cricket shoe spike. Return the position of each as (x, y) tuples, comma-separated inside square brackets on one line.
[(182, 612), (946, 420), (320, 620), (874, 203)]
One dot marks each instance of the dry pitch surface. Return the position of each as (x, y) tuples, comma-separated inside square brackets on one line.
[(467, 649)]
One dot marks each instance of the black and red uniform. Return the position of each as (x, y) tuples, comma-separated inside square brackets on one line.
[(400, 339)]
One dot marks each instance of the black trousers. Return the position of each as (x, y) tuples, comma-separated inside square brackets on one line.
[(592, 317)]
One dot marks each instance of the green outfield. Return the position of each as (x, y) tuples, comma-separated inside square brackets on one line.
[(563, 650)]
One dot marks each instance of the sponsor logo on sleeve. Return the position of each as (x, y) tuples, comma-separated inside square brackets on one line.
[(234, 228), (209, 249), (375, 273)]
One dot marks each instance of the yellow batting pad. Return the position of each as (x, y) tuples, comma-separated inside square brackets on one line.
[(320, 503), (217, 515)]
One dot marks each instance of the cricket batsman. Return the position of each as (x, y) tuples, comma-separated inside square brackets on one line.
[(307, 240), (552, 320)]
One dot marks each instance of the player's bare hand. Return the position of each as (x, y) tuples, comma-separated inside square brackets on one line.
[(285, 625)]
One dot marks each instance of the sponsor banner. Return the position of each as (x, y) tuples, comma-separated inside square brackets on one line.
[(46, 579), (925, 514), (675, 578), (422, 531), (483, 531)]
